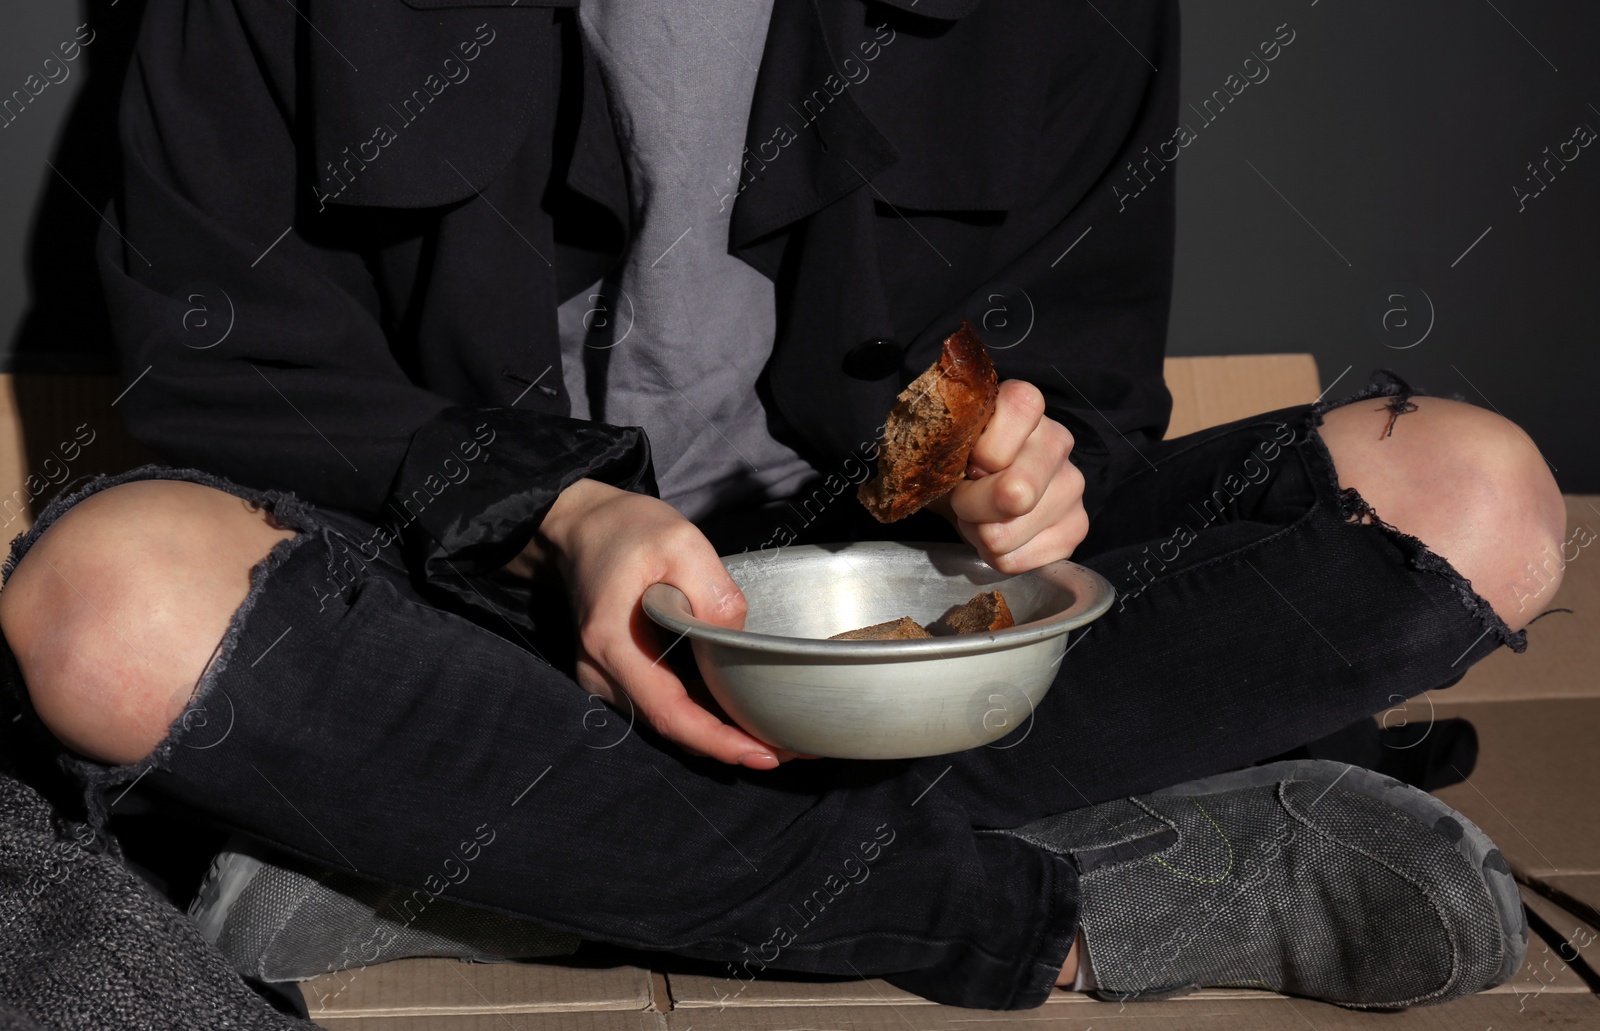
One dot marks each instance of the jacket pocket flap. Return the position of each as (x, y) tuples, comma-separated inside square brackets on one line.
[(963, 109)]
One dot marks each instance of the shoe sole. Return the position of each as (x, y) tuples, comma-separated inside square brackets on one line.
[(1468, 840), (229, 875)]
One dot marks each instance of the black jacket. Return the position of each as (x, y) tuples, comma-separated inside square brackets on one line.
[(346, 226)]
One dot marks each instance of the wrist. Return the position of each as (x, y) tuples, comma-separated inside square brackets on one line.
[(552, 540), (568, 514)]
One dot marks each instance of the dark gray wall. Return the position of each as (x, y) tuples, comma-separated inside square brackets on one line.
[(32, 33), (1398, 131), (1386, 139), (52, 316)]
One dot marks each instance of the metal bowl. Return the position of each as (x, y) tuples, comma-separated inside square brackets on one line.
[(784, 682)]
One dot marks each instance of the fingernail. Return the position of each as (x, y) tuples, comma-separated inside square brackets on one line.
[(758, 760)]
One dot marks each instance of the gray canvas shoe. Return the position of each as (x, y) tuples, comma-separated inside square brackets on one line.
[(1308, 878), (278, 920)]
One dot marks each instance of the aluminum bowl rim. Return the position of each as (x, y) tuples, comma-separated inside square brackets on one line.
[(1092, 594)]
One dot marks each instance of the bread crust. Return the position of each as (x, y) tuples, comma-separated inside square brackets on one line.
[(985, 613), (930, 432), (903, 629)]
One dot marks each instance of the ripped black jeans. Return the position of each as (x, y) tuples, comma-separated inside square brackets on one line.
[(360, 727)]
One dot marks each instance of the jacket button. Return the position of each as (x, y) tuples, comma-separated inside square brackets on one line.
[(874, 359)]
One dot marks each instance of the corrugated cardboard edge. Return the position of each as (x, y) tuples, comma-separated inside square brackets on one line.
[(418, 987), (609, 1020), (694, 991), (1270, 1013)]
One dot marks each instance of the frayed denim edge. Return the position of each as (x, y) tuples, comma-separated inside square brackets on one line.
[(289, 512), (1048, 954), (1355, 509)]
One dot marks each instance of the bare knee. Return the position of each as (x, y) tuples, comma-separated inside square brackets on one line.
[(115, 610), (1468, 483)]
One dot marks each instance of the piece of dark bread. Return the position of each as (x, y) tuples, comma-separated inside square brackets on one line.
[(930, 431), (985, 612), (903, 629)]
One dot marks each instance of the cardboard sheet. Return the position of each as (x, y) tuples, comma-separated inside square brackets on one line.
[(1209, 391), (1550, 1011), (57, 427), (1533, 791), (409, 987), (698, 992), (1562, 952), (598, 1021), (1578, 894), (1563, 656)]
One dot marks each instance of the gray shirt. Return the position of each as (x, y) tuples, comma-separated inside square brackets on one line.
[(675, 340)]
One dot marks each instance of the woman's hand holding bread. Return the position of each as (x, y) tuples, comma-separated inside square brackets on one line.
[(1022, 503), (985, 456)]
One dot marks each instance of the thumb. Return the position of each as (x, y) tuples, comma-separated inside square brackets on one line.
[(712, 594)]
